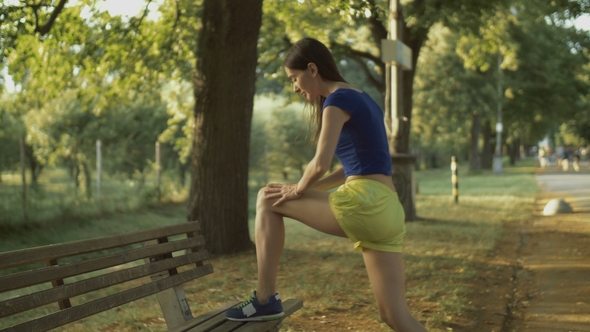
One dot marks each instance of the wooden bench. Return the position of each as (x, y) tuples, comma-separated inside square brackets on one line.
[(131, 266)]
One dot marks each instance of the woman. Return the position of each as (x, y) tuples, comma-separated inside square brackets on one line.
[(365, 208)]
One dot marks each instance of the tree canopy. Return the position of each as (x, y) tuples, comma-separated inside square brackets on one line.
[(82, 74)]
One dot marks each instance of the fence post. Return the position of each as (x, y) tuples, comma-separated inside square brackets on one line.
[(455, 178)]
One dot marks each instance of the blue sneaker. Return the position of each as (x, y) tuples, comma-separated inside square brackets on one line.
[(253, 310)]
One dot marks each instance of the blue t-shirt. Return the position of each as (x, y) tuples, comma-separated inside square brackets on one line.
[(362, 147)]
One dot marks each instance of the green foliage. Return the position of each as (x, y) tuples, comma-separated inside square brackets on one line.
[(543, 77), (129, 134), (290, 150), (179, 132), (97, 76), (446, 96), (280, 133), (11, 129), (546, 88), (350, 29)]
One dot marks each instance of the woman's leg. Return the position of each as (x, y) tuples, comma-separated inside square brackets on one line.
[(313, 209), (386, 273)]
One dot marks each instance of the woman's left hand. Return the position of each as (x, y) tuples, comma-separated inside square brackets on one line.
[(282, 191)]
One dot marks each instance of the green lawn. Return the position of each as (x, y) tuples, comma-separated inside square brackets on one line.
[(444, 253)]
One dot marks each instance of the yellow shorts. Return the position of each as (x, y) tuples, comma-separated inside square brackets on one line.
[(371, 215)]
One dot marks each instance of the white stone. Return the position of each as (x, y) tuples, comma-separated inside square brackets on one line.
[(557, 206)]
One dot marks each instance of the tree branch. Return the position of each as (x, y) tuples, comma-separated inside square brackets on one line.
[(176, 15), (358, 56), (45, 28), (288, 46), (374, 81), (145, 12), (349, 50)]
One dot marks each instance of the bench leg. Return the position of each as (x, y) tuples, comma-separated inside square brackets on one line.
[(174, 306)]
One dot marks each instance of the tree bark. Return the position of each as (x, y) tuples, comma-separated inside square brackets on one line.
[(474, 160), (224, 87), (513, 152), (487, 152), (87, 180), (414, 39)]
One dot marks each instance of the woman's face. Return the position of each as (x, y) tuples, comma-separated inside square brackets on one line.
[(304, 81)]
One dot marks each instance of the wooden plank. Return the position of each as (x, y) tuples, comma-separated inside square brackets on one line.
[(289, 306), (219, 322), (46, 274), (40, 254), (202, 318), (27, 302), (213, 323), (227, 326), (88, 309)]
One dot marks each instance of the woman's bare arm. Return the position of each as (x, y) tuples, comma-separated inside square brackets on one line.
[(333, 119), (330, 181)]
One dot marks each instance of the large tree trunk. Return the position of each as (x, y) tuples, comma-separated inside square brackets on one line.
[(224, 87), (414, 39), (474, 161), (513, 151), (487, 152), (87, 180)]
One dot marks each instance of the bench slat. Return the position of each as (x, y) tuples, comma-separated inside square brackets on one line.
[(28, 256), (202, 318), (78, 312), (27, 302), (220, 324), (212, 323), (289, 306), (46, 274), (227, 326)]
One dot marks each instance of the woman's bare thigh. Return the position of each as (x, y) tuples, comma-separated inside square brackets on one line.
[(312, 209)]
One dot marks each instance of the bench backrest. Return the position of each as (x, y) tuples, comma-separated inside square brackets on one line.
[(171, 256)]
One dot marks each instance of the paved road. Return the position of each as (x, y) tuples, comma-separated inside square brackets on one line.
[(575, 187), (553, 282)]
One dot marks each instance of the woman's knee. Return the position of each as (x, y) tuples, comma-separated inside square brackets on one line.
[(262, 203)]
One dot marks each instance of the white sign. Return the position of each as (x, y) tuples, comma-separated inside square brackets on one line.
[(499, 127), (396, 52)]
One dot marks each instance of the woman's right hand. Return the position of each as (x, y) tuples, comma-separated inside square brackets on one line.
[(282, 191)]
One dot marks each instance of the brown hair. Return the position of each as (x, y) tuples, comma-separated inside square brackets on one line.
[(309, 50)]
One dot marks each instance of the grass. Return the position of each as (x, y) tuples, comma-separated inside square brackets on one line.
[(444, 253), (56, 199)]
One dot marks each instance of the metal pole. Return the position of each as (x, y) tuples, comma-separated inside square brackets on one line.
[(498, 155), (98, 169)]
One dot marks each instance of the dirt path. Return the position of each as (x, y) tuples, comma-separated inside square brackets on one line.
[(541, 281)]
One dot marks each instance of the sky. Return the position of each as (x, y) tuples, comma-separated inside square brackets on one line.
[(124, 8), (129, 7), (583, 22)]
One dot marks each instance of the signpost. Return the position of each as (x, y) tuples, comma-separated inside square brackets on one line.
[(399, 57)]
